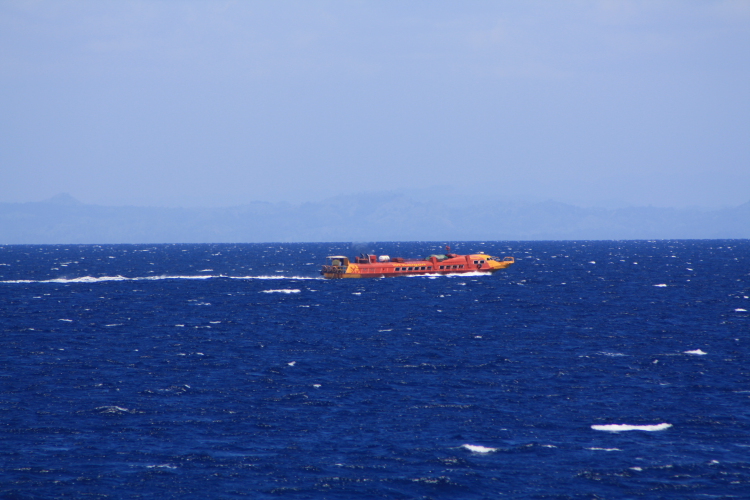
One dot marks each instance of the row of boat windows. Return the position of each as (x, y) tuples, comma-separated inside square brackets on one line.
[(413, 268), (428, 268)]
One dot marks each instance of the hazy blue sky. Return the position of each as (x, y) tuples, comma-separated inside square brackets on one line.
[(219, 103)]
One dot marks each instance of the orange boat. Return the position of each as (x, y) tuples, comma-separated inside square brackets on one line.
[(374, 266)]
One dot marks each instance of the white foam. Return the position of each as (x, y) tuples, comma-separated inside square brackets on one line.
[(627, 427), (475, 448), (662, 285), (697, 352), (274, 277), (292, 363), (99, 279), (65, 319), (283, 290), (740, 310), (448, 275), (604, 449), (113, 409)]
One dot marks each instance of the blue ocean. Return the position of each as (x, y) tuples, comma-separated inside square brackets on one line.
[(587, 370)]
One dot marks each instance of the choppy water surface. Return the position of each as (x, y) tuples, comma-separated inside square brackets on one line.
[(586, 370)]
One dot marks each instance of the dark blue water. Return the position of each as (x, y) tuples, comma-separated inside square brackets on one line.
[(233, 371)]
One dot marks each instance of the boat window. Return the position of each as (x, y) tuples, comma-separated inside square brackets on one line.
[(442, 267), (476, 262), (429, 268), (461, 266), (398, 269)]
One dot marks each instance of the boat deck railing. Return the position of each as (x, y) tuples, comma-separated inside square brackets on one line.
[(333, 269)]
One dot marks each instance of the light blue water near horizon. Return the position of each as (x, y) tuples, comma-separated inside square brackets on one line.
[(592, 369)]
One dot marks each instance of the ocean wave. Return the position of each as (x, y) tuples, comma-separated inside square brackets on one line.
[(627, 427), (475, 448)]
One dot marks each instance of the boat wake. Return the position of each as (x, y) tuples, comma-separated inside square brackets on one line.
[(100, 279), (450, 275)]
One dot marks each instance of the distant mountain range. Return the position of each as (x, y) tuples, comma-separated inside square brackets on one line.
[(359, 218)]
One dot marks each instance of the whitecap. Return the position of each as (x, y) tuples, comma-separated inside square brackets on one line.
[(627, 427), (740, 310), (292, 363), (283, 290), (113, 409), (475, 448), (67, 320), (604, 449), (662, 285), (697, 352)]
